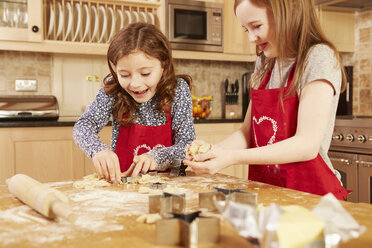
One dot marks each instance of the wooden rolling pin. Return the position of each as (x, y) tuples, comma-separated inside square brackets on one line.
[(49, 202)]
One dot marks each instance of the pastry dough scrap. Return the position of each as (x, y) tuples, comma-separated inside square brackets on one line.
[(148, 218), (90, 182), (194, 148)]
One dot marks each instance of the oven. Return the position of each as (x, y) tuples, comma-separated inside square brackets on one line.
[(351, 155)]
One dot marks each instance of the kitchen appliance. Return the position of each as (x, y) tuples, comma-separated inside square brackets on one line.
[(345, 102), (194, 25), (26, 108), (351, 155), (245, 89)]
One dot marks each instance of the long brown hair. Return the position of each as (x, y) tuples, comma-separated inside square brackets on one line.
[(150, 40), (298, 25)]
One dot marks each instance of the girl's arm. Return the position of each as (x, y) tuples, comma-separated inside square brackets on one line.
[(91, 122), (182, 128)]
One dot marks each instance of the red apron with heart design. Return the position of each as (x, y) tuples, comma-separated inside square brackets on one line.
[(138, 139), (272, 122)]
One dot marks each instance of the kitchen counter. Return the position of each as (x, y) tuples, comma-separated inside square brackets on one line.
[(70, 121), (107, 216)]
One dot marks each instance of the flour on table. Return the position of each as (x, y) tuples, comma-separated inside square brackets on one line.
[(90, 182), (147, 190), (169, 189)]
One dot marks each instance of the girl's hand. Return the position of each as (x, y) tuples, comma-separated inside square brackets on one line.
[(210, 162), (141, 164), (107, 165), (197, 147)]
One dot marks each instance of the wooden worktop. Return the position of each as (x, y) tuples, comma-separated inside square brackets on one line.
[(107, 216)]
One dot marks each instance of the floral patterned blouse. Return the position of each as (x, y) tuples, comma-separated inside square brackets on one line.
[(98, 113)]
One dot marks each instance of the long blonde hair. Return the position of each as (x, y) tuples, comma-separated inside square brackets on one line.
[(151, 41), (298, 25)]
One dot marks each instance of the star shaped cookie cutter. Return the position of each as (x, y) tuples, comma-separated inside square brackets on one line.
[(206, 199), (187, 230)]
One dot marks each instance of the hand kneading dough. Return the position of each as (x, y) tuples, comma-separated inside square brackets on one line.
[(298, 227), (148, 218), (90, 182), (195, 149)]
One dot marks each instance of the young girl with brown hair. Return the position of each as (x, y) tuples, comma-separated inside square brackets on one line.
[(151, 107), (296, 84)]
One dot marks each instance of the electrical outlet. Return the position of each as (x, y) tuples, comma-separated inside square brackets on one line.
[(25, 85)]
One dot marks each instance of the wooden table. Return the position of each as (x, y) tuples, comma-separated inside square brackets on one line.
[(107, 216)]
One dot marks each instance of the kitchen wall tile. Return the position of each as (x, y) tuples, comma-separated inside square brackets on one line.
[(365, 66), (365, 81), (365, 109), (25, 65), (209, 77), (365, 35), (365, 96)]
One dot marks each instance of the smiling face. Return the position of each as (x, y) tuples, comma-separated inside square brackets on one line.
[(139, 75), (258, 21)]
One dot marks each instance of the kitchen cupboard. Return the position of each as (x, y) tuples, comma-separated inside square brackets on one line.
[(235, 39), (76, 81), (21, 20), (339, 27), (44, 153)]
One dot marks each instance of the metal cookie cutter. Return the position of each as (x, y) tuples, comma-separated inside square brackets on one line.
[(157, 185), (187, 229), (167, 203), (128, 179), (178, 169), (238, 195)]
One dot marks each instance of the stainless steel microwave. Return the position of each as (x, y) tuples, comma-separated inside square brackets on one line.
[(194, 25)]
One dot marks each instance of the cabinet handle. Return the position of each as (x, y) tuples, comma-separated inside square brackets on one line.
[(35, 29), (342, 160), (364, 163), (89, 78), (96, 78)]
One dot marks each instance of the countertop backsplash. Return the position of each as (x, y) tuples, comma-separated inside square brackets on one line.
[(209, 78), (25, 66)]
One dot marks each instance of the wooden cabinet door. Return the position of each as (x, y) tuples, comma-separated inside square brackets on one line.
[(214, 133), (339, 27), (44, 153), (21, 21), (76, 81), (235, 39)]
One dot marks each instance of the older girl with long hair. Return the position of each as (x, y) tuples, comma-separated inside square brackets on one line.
[(294, 95)]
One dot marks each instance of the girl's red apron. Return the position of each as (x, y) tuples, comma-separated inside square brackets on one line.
[(272, 122), (138, 139)]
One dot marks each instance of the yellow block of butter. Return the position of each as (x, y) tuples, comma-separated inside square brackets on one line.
[(298, 227)]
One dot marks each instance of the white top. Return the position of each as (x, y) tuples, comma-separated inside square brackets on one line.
[(321, 64)]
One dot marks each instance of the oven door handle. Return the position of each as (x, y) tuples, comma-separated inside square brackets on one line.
[(342, 160), (364, 163)]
